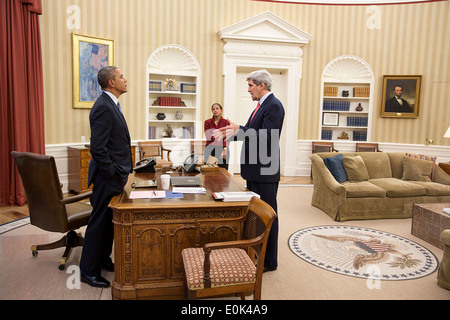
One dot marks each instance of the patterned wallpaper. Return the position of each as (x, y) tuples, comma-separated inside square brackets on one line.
[(406, 39)]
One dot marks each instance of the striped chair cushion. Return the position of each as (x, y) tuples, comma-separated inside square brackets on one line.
[(228, 267)]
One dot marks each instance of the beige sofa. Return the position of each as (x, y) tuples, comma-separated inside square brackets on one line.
[(379, 185)]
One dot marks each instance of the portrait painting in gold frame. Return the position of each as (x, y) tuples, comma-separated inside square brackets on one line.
[(401, 96), (90, 54)]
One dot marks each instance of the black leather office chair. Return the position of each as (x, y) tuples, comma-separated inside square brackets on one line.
[(48, 208)]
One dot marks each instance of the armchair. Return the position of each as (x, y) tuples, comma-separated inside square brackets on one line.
[(224, 268)]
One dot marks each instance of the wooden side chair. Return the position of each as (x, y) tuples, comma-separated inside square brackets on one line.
[(225, 268), (323, 146), (367, 147), (198, 148), (155, 149), (48, 208)]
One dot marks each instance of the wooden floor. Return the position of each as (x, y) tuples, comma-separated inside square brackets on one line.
[(12, 213)]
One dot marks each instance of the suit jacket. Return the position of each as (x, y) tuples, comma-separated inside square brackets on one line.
[(110, 140), (392, 105), (260, 155)]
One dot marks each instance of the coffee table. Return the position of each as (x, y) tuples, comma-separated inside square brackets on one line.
[(428, 222)]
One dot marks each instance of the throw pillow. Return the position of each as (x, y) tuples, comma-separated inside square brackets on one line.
[(336, 167), (356, 169), (423, 157), (417, 169)]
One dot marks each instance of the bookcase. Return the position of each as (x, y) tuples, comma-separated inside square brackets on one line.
[(173, 94), (346, 100)]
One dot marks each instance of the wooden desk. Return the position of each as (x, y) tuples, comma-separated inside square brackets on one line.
[(149, 234)]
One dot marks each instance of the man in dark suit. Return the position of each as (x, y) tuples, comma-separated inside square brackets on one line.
[(108, 170), (397, 103), (260, 155)]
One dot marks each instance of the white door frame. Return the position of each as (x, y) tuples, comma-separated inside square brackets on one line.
[(267, 42)]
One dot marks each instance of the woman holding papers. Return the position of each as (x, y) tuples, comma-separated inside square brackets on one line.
[(215, 148)]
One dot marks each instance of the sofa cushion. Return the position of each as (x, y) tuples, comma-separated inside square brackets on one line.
[(363, 189), (417, 169), (396, 160), (377, 164), (423, 157), (355, 169), (396, 188), (336, 167), (434, 188)]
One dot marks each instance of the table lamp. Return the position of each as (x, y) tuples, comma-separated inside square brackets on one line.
[(447, 133)]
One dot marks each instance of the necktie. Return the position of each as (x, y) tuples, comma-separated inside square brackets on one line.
[(256, 110), (118, 106)]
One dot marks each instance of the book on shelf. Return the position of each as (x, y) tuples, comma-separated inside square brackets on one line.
[(330, 91), (357, 121), (155, 86), (170, 102), (361, 92), (327, 134), (359, 135), (189, 87), (330, 105), (151, 132)]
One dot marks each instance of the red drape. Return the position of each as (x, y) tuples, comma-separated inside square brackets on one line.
[(21, 91)]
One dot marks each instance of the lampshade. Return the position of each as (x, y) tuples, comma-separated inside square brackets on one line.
[(447, 134)]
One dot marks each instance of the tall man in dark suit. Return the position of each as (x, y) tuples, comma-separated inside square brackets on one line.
[(260, 155), (108, 170)]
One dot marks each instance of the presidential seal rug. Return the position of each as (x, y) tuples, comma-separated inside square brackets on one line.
[(363, 253)]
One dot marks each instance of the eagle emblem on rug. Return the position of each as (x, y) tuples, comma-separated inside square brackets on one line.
[(377, 251), (362, 252)]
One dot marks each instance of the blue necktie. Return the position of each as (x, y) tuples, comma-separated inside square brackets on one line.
[(118, 105)]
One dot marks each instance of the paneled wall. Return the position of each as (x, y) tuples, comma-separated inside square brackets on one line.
[(393, 39)]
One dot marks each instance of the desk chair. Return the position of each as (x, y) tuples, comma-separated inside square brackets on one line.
[(367, 147), (48, 209), (155, 149), (212, 270)]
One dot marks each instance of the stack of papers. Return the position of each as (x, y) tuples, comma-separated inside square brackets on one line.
[(234, 196), (154, 195), (189, 190)]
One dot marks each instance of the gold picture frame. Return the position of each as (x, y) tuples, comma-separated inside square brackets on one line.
[(89, 55), (407, 90)]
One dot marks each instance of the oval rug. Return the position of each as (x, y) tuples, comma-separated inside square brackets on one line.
[(362, 252)]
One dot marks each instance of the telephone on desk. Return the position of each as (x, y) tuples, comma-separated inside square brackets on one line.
[(190, 163), (145, 166)]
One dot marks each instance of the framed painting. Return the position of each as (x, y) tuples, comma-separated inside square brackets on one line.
[(401, 96), (90, 54)]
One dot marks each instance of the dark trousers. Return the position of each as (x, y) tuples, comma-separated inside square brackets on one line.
[(268, 192), (99, 236)]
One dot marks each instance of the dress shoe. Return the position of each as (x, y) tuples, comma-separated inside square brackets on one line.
[(108, 266), (267, 269), (95, 281)]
